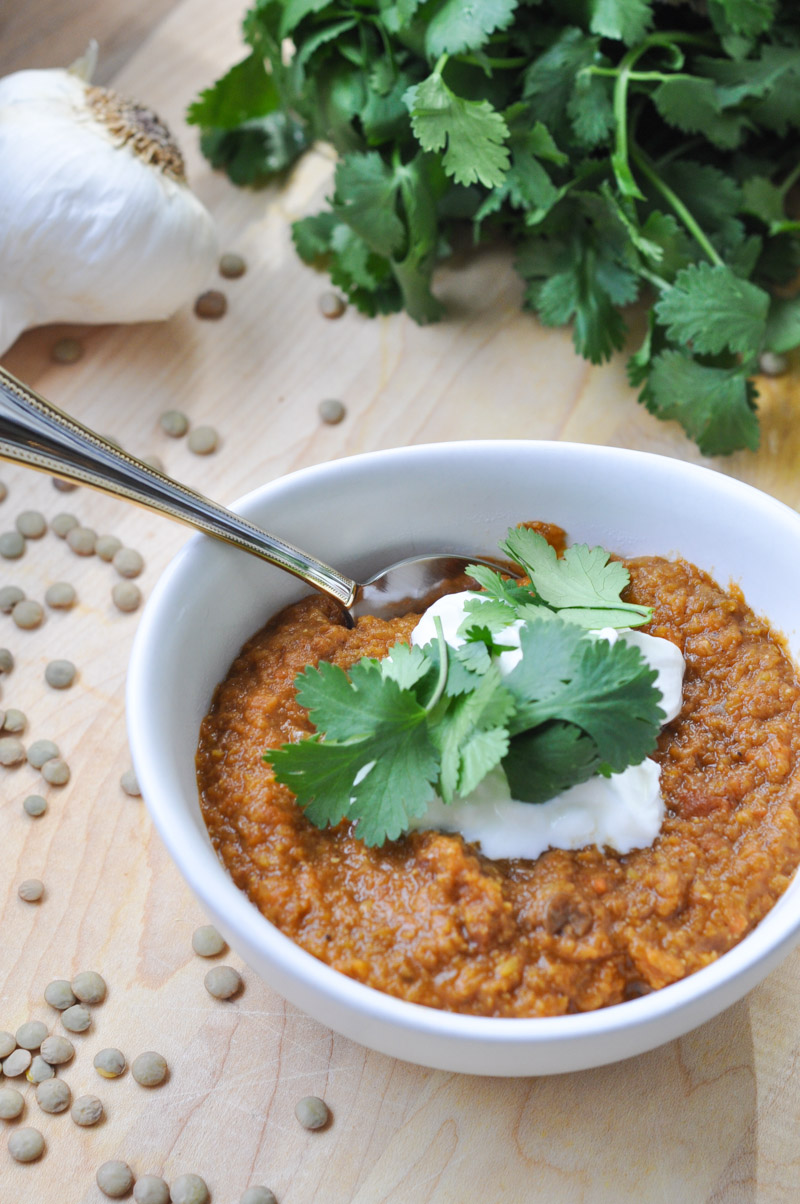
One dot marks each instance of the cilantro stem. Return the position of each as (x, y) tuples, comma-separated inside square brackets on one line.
[(790, 180), (442, 679), (499, 64), (678, 206)]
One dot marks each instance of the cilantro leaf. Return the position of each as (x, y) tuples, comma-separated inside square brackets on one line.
[(245, 92), (783, 325), (713, 309), (455, 27), (365, 197), (627, 20), (472, 130), (547, 760), (715, 406), (485, 710)]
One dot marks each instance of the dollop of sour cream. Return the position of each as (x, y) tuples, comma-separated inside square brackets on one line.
[(622, 812)]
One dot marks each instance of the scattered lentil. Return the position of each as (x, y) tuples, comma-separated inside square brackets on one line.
[(203, 440), (31, 1034), (62, 524), (150, 1189), (82, 540), (207, 942), (66, 351), (223, 982), (64, 486), (10, 595), (331, 305), (115, 1179), (58, 994), (126, 596), (28, 614), (2, 718), (110, 1063), (149, 1069), (12, 545), (107, 546), (174, 423), (189, 1189), (7, 1044), (3, 491), (89, 986), (53, 1095), (26, 1145), (87, 1110), (60, 674), (15, 721), (31, 524), (6, 659), (128, 562), (17, 1063), (56, 771), (34, 805), (77, 1018), (211, 304), (232, 266), (258, 1195), (39, 1070), (12, 750), (41, 751), (130, 783), (331, 411), (31, 890), (60, 595), (312, 1112), (57, 1050), (11, 1103), (772, 363)]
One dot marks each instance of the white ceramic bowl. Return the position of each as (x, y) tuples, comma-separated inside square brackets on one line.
[(360, 514)]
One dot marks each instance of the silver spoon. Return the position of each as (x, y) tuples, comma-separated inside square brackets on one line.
[(36, 433)]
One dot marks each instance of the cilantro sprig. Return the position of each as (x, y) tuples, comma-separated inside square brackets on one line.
[(629, 149), (435, 720)]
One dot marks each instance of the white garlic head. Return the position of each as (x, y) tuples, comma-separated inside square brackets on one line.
[(97, 222)]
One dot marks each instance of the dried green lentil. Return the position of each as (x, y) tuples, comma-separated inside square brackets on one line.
[(31, 524), (149, 1069), (26, 1145), (66, 351), (62, 524), (53, 1095), (174, 423), (12, 750), (11, 1103), (7, 1044), (34, 805), (89, 986), (126, 596), (15, 721), (31, 1034), (31, 890), (258, 1195), (58, 994), (207, 942), (6, 659), (331, 411), (3, 491), (107, 547), (232, 266), (115, 1179), (211, 304), (28, 614), (10, 595), (110, 1063), (130, 783), (188, 1189), (55, 771), (39, 1070), (150, 1189), (64, 486), (331, 305), (223, 982), (57, 1050), (312, 1112), (41, 751), (128, 562), (203, 440), (87, 1110), (12, 545), (60, 674), (82, 540), (60, 595), (17, 1063), (77, 1018)]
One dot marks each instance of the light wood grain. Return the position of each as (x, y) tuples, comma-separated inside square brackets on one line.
[(712, 1117)]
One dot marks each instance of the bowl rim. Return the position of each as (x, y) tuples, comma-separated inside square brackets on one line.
[(209, 880)]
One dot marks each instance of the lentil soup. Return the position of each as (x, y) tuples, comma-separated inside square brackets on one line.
[(429, 919)]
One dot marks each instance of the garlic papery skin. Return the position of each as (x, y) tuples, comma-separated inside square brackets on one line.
[(97, 222)]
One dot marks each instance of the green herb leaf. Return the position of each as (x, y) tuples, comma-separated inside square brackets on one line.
[(712, 309), (455, 27), (715, 406), (471, 130)]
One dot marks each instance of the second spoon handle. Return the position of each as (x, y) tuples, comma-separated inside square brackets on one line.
[(36, 433)]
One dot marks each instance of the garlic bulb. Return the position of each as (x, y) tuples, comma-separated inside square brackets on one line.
[(97, 222)]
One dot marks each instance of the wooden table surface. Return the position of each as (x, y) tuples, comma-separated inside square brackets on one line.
[(711, 1117)]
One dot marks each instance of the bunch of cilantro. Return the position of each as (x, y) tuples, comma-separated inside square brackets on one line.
[(628, 148), (435, 720)]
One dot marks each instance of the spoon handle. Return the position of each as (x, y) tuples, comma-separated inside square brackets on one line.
[(36, 433)]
